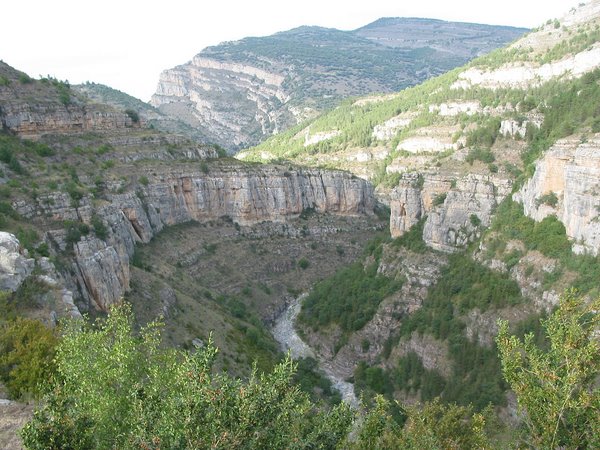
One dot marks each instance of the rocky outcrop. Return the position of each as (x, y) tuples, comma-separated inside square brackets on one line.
[(413, 198), (513, 128), (246, 194), (452, 109), (388, 129), (528, 74), (455, 215), (103, 273), (15, 265), (566, 184), (29, 119), (466, 210)]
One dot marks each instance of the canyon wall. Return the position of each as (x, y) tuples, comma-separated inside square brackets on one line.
[(566, 183), (243, 193)]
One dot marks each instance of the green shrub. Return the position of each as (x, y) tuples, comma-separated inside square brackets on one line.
[(550, 199), (27, 349), (100, 229), (485, 135), (133, 115), (480, 154), (439, 199), (303, 263), (74, 191), (75, 230), (413, 238), (25, 79)]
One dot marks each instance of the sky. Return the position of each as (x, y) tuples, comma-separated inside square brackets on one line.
[(126, 44)]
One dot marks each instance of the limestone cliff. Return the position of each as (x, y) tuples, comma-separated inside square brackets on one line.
[(456, 210), (179, 194), (15, 266), (566, 183)]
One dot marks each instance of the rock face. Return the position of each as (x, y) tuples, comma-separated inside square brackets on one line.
[(566, 184), (246, 194), (464, 213), (201, 94), (413, 198), (455, 215), (15, 266), (521, 76), (38, 119)]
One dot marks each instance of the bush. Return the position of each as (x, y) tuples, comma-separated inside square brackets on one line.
[(557, 386), (25, 79), (413, 238), (480, 154), (75, 230), (303, 263), (133, 115), (27, 349), (100, 229), (485, 135), (550, 199)]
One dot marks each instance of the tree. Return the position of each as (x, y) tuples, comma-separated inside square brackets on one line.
[(432, 425), (26, 352), (557, 388), (118, 389)]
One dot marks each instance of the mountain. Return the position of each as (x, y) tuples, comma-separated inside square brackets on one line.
[(238, 93), (492, 176)]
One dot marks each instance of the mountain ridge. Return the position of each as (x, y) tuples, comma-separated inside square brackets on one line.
[(278, 80)]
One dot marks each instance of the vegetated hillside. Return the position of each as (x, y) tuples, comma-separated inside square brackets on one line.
[(153, 118), (492, 177), (238, 93)]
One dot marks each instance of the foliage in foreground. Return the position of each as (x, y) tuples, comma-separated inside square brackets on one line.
[(558, 388), (434, 426), (117, 390), (26, 352), (114, 389)]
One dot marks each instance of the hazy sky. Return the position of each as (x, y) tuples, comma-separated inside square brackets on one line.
[(127, 43)]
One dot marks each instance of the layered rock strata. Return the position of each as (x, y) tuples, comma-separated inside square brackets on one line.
[(566, 183), (456, 210), (245, 194)]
